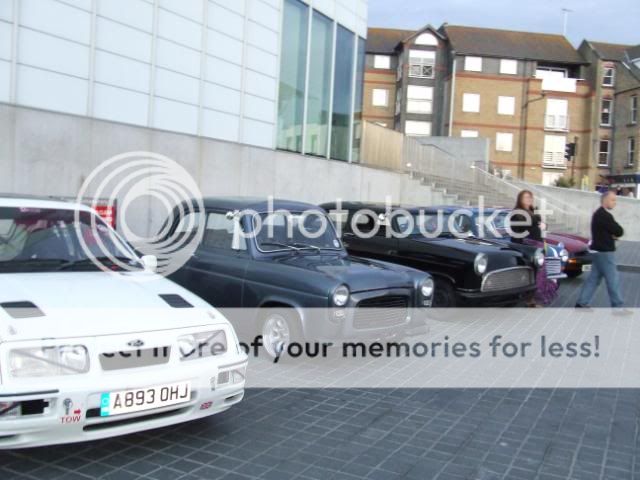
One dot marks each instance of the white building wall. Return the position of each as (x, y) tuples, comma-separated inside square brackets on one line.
[(201, 67)]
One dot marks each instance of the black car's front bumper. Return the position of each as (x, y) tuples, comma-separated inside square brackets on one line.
[(361, 319), (476, 298)]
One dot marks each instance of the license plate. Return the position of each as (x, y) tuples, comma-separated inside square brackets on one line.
[(138, 400), (586, 268)]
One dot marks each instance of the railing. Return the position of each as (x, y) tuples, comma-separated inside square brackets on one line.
[(558, 123), (554, 160), (560, 84)]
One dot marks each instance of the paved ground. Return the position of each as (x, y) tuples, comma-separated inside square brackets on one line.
[(376, 434), (629, 281)]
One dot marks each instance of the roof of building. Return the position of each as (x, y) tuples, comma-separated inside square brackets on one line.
[(511, 44), (609, 51), (385, 40), (634, 52)]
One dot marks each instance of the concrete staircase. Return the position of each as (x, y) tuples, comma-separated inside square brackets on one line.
[(497, 192)]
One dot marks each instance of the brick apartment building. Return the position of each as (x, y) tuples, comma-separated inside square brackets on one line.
[(529, 93)]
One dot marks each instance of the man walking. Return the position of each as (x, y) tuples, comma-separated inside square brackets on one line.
[(604, 233)]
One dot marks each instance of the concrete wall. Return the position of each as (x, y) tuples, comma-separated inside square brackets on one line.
[(627, 212), (472, 151), (47, 153)]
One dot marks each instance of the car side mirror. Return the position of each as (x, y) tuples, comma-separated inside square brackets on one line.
[(150, 263)]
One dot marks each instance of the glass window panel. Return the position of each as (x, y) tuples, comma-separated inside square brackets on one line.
[(319, 100), (292, 76), (342, 94), (357, 114)]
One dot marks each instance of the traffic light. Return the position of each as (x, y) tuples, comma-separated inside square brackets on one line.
[(569, 151)]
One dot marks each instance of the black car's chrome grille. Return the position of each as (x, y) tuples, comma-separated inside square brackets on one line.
[(553, 265), (508, 279), (380, 312), (148, 357)]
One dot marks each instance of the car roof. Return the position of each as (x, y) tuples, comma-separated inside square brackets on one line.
[(33, 201), (259, 204)]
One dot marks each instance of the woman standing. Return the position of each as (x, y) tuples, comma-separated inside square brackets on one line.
[(529, 228)]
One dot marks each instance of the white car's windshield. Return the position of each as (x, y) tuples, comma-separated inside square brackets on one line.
[(47, 239)]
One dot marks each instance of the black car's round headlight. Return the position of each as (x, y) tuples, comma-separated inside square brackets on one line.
[(340, 296), (480, 263), (538, 257), (426, 288)]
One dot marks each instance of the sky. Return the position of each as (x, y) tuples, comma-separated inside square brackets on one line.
[(613, 21)]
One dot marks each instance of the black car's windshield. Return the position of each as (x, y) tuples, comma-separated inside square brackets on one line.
[(435, 224), (47, 239), (307, 231)]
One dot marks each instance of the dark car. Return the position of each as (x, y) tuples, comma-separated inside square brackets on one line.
[(491, 224), (302, 288), (467, 271)]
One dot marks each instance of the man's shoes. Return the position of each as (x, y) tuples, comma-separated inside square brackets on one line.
[(583, 308)]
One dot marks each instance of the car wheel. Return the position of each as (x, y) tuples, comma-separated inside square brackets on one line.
[(574, 273), (280, 327), (444, 295)]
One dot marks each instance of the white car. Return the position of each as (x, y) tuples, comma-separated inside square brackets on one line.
[(87, 354)]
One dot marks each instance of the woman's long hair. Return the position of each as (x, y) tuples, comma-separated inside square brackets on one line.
[(519, 202)]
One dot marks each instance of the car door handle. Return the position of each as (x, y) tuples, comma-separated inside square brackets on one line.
[(392, 252)]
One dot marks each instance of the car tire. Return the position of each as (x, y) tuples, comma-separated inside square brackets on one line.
[(279, 327), (574, 274), (444, 295)]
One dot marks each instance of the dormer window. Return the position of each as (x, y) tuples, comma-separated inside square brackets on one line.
[(609, 76)]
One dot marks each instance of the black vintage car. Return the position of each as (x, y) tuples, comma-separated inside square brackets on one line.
[(277, 269), (467, 271)]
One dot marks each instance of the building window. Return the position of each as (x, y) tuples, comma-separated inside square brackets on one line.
[(556, 116), (427, 39), (605, 112), (319, 95), (508, 67), (419, 129), (419, 99), (469, 133), (603, 153), (504, 142), (361, 63), (342, 94), (554, 146), (421, 64), (380, 97), (633, 109), (506, 105), (473, 64), (631, 152), (608, 76), (471, 102), (292, 76), (382, 62)]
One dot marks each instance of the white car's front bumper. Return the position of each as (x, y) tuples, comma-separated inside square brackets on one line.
[(66, 409)]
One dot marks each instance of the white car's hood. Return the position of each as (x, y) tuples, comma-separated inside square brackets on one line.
[(81, 304)]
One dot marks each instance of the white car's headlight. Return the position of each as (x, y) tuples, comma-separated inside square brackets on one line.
[(426, 289), (49, 361), (202, 345), (480, 263), (539, 257), (340, 296)]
